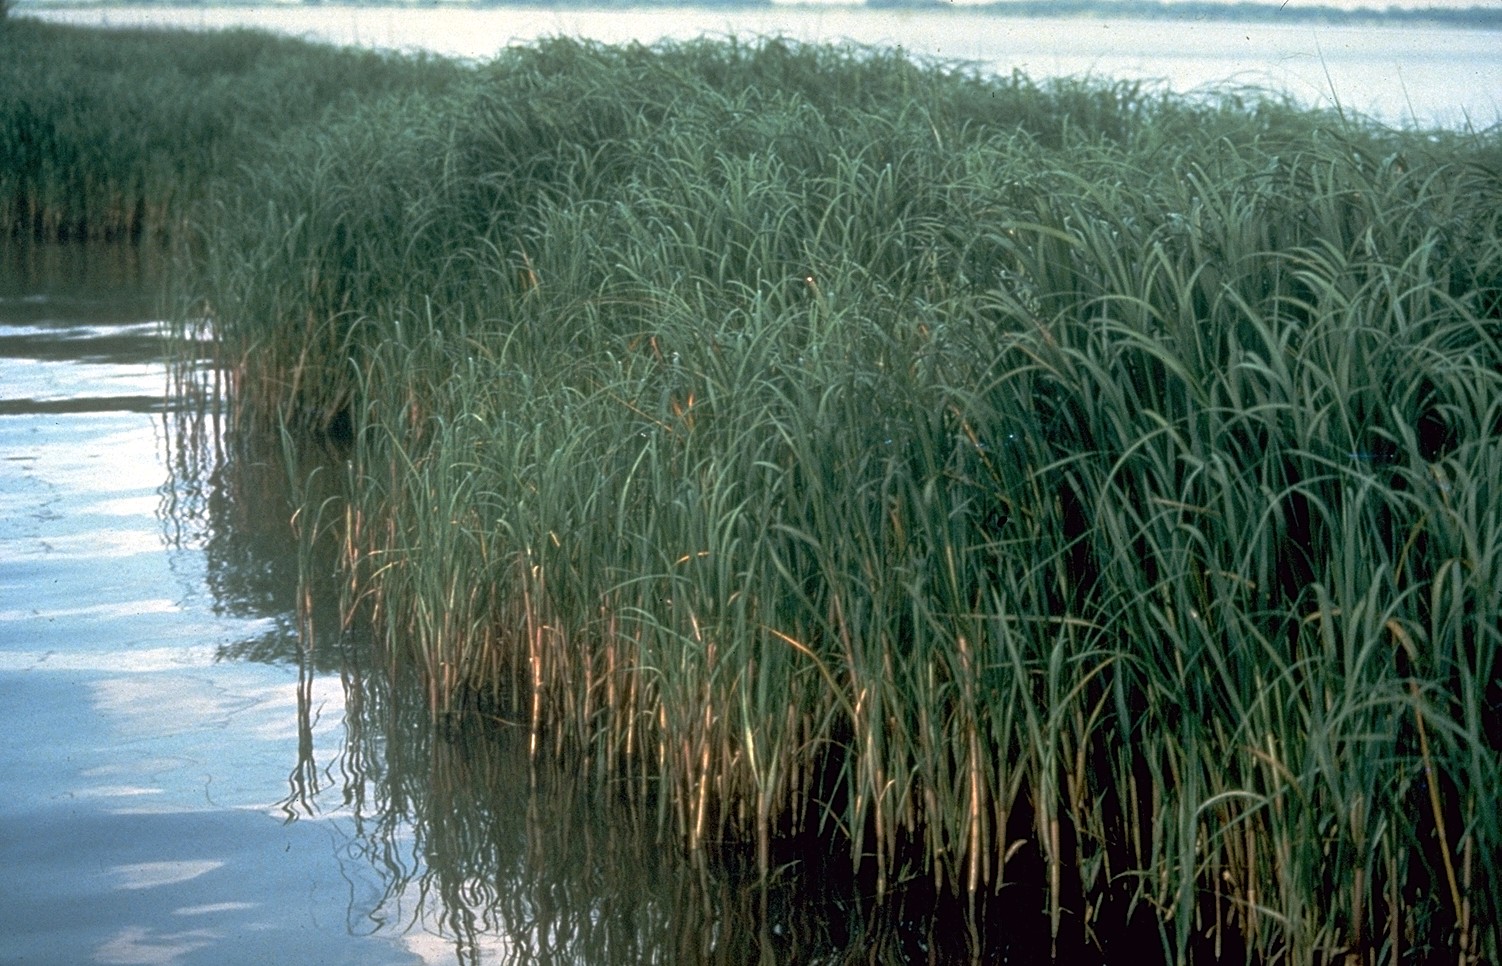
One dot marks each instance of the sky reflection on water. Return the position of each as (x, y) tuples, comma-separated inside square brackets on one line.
[(145, 777)]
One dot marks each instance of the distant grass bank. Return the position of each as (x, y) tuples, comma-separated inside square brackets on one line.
[(107, 134), (1065, 490)]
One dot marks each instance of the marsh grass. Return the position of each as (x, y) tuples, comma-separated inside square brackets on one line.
[(1063, 491), (110, 134)]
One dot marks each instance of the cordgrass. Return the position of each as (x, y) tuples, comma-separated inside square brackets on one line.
[(1063, 492), (1058, 484), (1065, 485), (109, 134)]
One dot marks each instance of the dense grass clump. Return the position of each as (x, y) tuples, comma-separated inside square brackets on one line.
[(108, 134), (1068, 487), (1066, 491)]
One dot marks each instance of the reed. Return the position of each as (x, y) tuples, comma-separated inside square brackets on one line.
[(1064, 491)]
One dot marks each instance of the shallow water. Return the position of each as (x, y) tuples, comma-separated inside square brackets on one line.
[(145, 773), (1399, 74)]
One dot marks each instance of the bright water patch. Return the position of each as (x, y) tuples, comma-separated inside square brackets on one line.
[(145, 818)]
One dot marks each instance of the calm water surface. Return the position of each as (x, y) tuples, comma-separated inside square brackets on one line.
[(146, 812), (1402, 75)]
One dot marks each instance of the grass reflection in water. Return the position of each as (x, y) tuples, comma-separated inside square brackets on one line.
[(483, 853)]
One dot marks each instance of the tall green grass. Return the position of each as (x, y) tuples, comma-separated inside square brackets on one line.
[(1067, 491), (109, 134)]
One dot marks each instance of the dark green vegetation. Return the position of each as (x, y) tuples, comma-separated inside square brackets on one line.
[(107, 134), (1067, 492)]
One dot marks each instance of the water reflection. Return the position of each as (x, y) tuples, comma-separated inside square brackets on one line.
[(479, 854), (488, 857), (141, 770), (228, 497), (219, 503)]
